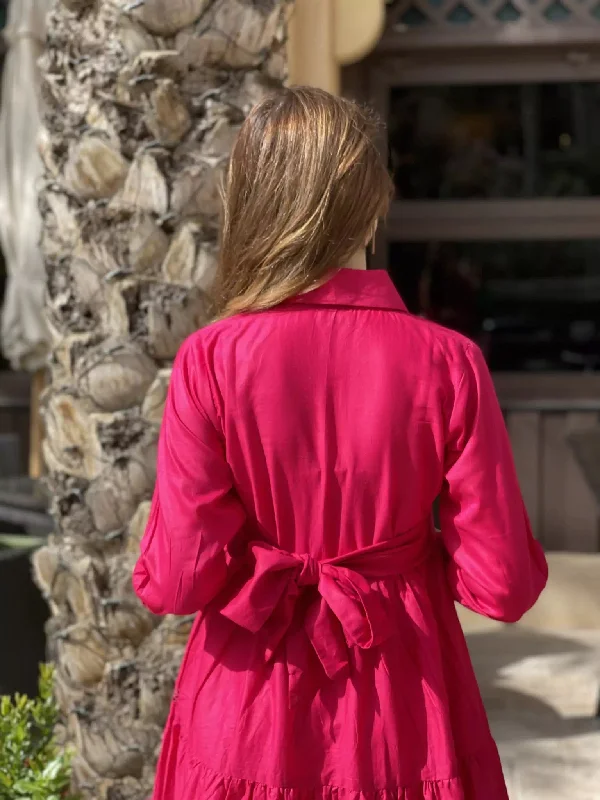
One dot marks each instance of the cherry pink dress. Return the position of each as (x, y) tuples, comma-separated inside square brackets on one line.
[(301, 451)]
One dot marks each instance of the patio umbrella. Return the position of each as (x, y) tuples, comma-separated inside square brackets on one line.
[(23, 333)]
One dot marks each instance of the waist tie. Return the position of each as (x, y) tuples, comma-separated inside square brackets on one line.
[(346, 609)]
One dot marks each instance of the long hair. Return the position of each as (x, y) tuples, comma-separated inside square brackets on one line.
[(305, 188)]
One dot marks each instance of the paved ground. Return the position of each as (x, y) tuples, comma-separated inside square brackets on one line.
[(541, 689)]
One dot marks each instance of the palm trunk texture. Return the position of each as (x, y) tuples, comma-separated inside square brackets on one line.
[(141, 103)]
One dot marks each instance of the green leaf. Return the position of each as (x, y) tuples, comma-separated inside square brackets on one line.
[(20, 541), (32, 766), (53, 768)]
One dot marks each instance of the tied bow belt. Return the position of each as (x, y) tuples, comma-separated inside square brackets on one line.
[(348, 608)]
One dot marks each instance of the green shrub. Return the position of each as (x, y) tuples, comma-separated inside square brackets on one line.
[(32, 765)]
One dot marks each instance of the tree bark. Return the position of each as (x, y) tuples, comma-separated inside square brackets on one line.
[(142, 101)]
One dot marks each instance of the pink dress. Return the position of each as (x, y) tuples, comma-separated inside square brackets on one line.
[(301, 451)]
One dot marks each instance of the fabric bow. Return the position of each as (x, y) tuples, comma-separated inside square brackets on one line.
[(347, 609)]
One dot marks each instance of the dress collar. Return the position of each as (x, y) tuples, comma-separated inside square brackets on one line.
[(355, 287)]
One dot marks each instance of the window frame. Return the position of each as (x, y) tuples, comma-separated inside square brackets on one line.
[(480, 219)]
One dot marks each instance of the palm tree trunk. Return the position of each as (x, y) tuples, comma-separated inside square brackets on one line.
[(142, 101)]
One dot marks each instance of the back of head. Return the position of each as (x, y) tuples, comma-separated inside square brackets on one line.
[(305, 187)]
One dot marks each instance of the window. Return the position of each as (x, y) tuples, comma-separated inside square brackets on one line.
[(492, 113), (499, 141), (495, 228), (531, 305)]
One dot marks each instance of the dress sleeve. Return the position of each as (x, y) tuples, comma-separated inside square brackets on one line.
[(195, 510), (495, 567)]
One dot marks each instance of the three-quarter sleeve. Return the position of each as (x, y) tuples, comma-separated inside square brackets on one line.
[(195, 510), (495, 567)]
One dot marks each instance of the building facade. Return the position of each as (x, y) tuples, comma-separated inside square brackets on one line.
[(492, 112)]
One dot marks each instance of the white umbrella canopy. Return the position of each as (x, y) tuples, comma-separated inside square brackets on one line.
[(23, 332)]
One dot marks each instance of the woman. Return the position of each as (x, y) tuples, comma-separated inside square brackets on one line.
[(305, 438)]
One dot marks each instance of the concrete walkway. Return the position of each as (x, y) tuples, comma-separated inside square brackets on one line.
[(541, 692), (541, 684)]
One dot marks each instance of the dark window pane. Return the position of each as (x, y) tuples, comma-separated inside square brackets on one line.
[(457, 142), (532, 306), (569, 127), (530, 140)]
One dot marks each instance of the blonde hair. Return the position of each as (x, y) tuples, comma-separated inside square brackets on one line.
[(305, 188)]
